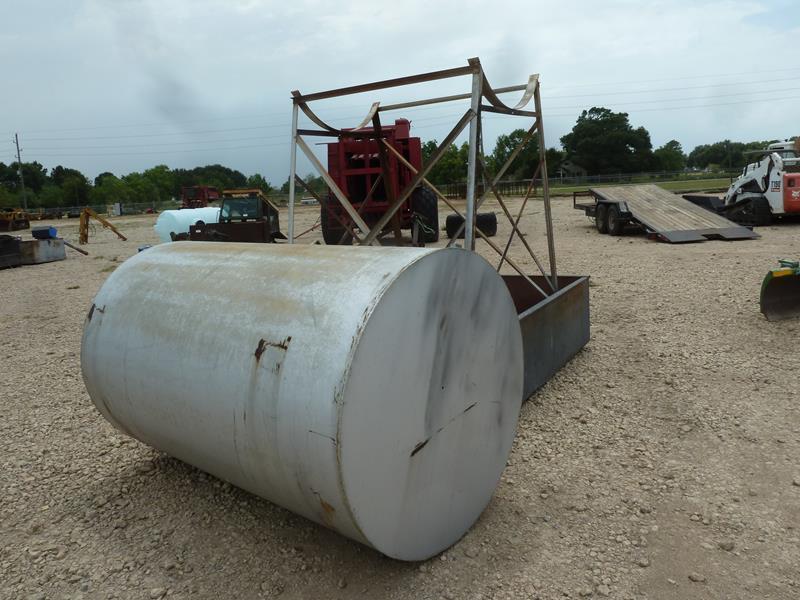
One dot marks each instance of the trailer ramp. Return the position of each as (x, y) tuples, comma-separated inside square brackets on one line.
[(672, 218)]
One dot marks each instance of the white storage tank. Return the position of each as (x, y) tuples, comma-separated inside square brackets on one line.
[(179, 221), (375, 391)]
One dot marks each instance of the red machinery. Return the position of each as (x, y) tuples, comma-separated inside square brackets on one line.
[(355, 166), (198, 196)]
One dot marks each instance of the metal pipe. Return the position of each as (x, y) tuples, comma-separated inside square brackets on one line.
[(389, 83), (548, 218), (292, 172), (469, 222), (350, 385), (440, 99)]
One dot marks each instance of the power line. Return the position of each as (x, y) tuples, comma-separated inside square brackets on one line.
[(676, 89), (688, 77), (431, 122), (148, 135), (186, 150), (661, 100), (112, 147), (423, 119), (546, 97)]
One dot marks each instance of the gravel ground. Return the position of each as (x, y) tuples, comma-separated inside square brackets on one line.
[(662, 462)]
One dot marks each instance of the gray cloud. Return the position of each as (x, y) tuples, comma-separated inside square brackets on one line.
[(140, 77)]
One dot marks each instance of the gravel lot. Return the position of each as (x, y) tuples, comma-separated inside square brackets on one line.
[(662, 462)]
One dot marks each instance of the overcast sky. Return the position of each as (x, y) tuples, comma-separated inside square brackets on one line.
[(123, 85)]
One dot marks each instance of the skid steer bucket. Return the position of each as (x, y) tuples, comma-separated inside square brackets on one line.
[(780, 292)]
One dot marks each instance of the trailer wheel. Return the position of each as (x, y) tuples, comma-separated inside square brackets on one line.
[(332, 230), (600, 217), (616, 224), (425, 205)]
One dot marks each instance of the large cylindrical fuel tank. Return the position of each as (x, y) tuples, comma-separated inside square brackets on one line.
[(375, 391)]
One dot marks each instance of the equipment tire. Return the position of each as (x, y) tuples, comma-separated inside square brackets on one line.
[(600, 212), (486, 222), (332, 230), (425, 204), (614, 220), (762, 213)]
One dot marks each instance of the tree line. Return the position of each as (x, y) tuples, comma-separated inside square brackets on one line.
[(62, 186), (602, 142)]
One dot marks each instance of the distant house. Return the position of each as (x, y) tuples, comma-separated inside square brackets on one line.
[(569, 169)]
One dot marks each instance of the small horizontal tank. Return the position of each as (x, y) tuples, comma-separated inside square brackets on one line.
[(375, 391)]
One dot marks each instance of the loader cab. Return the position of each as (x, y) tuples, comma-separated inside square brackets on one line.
[(245, 205), (245, 215), (240, 208), (784, 149)]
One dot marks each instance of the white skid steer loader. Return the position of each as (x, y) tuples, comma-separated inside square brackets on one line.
[(767, 188)]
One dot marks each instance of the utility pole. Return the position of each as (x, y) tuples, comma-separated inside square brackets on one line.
[(21, 179)]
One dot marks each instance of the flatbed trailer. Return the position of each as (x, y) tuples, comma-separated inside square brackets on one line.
[(666, 216)]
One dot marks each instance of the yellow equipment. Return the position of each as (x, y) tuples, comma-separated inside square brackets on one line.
[(12, 219), (780, 292), (83, 226)]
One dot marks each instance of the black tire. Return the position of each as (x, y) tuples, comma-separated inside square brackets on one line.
[(486, 222), (614, 220), (425, 205), (332, 230), (600, 216), (761, 211)]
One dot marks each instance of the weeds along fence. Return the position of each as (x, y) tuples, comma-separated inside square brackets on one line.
[(520, 187)]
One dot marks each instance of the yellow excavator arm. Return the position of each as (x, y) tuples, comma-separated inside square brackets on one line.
[(83, 226)]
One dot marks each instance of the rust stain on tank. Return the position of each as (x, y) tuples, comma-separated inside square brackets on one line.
[(328, 511), (264, 344)]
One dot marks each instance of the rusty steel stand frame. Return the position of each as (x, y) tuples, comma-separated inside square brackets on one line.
[(483, 98)]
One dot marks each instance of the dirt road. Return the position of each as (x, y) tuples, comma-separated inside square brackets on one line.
[(662, 462)]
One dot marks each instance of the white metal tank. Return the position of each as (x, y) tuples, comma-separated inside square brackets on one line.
[(375, 391), (179, 221)]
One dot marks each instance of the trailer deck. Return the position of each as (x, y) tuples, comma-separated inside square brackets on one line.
[(668, 216)]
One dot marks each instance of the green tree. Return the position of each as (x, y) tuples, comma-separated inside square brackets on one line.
[(452, 166), (51, 196), (98, 181), (110, 191), (257, 180), (162, 181), (141, 190), (524, 165), (7, 199), (59, 174), (554, 158), (75, 191), (726, 154), (670, 157), (35, 176), (604, 142)]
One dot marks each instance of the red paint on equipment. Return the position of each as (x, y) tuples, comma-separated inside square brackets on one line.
[(791, 193), (354, 165)]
